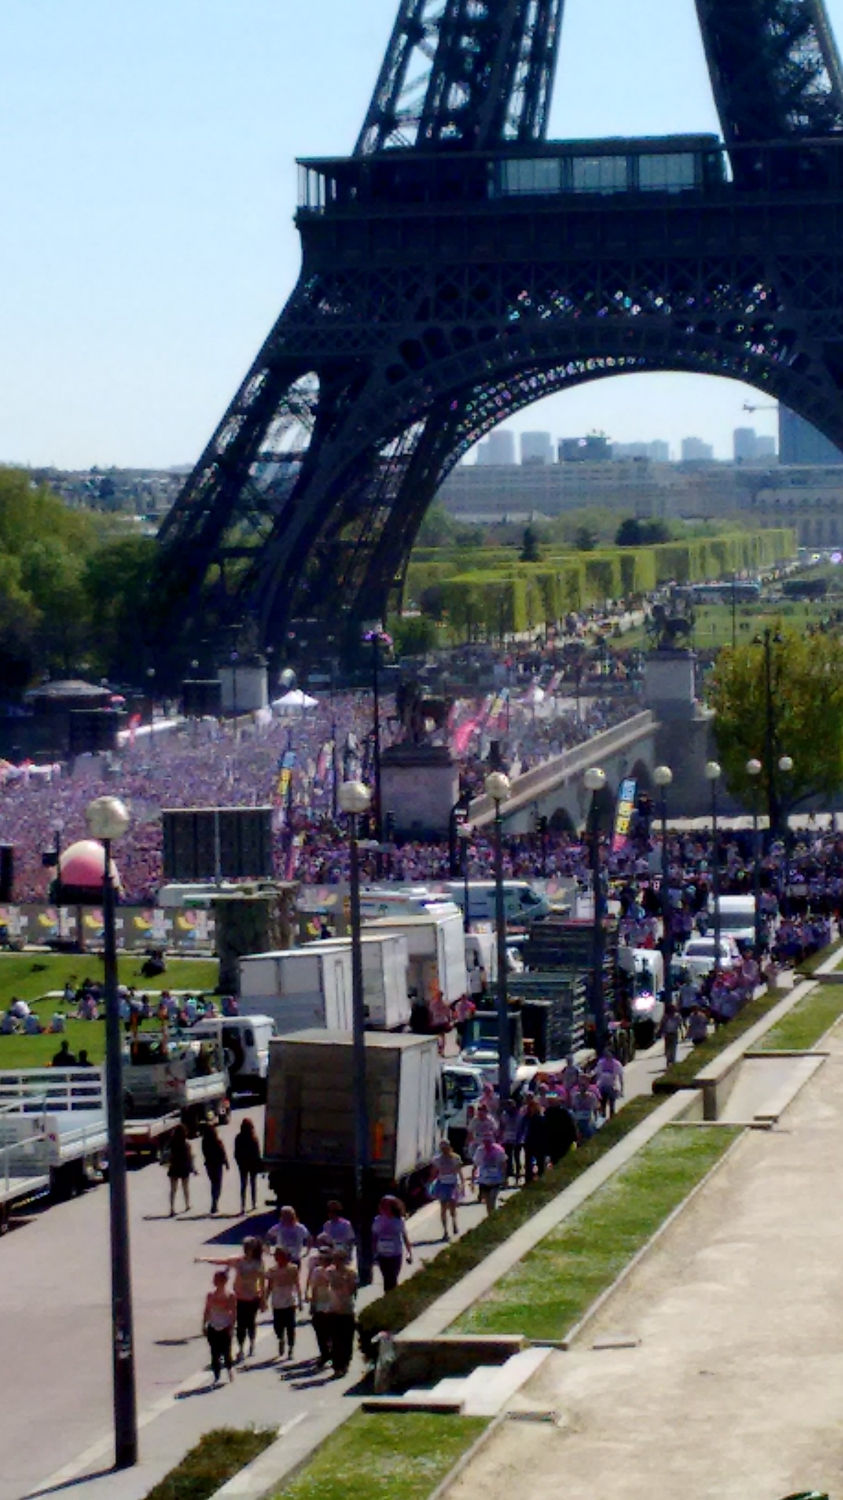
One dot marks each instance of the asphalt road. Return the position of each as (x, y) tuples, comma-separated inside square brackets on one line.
[(55, 1316)]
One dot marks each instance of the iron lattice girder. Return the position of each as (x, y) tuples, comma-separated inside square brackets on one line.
[(775, 68), (396, 353), (467, 73)]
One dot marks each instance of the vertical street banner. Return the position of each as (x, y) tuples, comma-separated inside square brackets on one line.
[(623, 815)]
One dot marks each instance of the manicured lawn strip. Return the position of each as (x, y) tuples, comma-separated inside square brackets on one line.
[(29, 976), (394, 1311), (217, 1457), (394, 1454), (549, 1291), (810, 1019)]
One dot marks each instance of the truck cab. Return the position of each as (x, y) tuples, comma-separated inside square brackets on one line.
[(244, 1041), (462, 1087)]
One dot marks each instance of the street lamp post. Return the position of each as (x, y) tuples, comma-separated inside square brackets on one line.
[(663, 776), (464, 834), (595, 781), (786, 767), (354, 799), (754, 769), (150, 677), (712, 772), (498, 788), (108, 819)]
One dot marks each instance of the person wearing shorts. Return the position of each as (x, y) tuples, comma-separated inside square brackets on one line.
[(447, 1184), (490, 1167)]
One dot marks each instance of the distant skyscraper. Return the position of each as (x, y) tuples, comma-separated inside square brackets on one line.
[(800, 443), (765, 445), (536, 448), (499, 447), (694, 451), (745, 441)]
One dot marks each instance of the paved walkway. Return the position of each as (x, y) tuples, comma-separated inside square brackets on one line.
[(54, 1311), (725, 1381)]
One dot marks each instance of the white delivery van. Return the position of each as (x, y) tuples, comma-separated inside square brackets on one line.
[(299, 988), (245, 1048), (521, 903), (436, 951), (385, 978), (737, 917), (395, 900)]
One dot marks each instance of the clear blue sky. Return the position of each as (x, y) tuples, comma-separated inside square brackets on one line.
[(147, 162)]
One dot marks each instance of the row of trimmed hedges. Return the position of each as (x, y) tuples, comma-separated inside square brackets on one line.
[(505, 597)]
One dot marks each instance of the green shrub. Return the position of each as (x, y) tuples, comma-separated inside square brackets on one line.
[(217, 1457)]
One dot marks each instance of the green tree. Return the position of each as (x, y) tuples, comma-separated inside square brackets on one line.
[(781, 697), (585, 539), (530, 550)]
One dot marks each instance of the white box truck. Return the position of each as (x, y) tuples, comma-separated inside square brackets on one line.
[(310, 1142), (437, 973), (300, 987), (385, 978)]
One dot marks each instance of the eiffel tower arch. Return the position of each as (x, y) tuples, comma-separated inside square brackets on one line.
[(459, 266)]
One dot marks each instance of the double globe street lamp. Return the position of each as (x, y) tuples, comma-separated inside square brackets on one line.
[(713, 773), (754, 769), (498, 788), (354, 799), (108, 819), (663, 778), (595, 782)]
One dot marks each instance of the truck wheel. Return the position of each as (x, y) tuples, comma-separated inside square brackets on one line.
[(645, 1034), (4, 1218)]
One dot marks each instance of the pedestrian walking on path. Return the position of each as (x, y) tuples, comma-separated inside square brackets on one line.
[(216, 1162), (282, 1280), (342, 1288), (390, 1241), (247, 1155), (291, 1235), (490, 1164), (608, 1076), (339, 1230), (671, 1030), (180, 1167), (447, 1184), (218, 1319), (319, 1297), (249, 1288)]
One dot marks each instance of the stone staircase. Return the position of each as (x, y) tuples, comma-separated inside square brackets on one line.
[(485, 1392)]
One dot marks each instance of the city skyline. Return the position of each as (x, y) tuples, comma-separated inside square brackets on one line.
[(148, 162)]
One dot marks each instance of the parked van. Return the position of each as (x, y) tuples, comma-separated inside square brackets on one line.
[(521, 903), (245, 1048), (737, 917), (401, 901)]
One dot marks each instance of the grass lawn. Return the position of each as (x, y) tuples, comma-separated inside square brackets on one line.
[(373, 1455), (29, 976), (554, 1285), (216, 1458), (713, 627), (802, 1027)]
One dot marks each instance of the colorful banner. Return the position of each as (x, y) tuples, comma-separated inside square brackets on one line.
[(623, 816)]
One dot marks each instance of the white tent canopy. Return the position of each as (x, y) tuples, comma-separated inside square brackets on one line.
[(295, 700)]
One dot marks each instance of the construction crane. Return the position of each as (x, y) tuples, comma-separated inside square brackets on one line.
[(747, 406)]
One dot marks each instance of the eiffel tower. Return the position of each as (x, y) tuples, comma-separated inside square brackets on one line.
[(459, 266)]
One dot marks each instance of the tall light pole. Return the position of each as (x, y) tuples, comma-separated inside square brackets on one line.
[(150, 677), (595, 781), (499, 789), (754, 769), (663, 776), (108, 819), (464, 834), (713, 773), (354, 799), (786, 767), (377, 637)]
